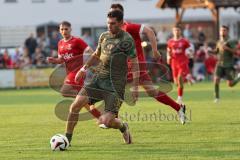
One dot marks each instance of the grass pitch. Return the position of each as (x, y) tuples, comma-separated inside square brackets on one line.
[(27, 123)]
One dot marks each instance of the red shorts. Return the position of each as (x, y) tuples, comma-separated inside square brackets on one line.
[(70, 80), (180, 70)]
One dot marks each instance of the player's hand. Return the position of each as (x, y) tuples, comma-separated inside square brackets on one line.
[(225, 47), (51, 60), (156, 54), (80, 75)]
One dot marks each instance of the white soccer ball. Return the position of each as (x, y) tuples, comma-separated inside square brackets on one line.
[(59, 142)]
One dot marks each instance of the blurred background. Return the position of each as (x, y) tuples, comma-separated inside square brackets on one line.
[(29, 32)]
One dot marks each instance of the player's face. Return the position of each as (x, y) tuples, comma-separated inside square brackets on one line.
[(65, 31), (223, 32), (113, 25), (176, 32)]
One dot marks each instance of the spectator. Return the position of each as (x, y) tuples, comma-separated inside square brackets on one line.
[(16, 58), (201, 36), (2, 65), (210, 64), (54, 39), (38, 58), (163, 35), (31, 44), (25, 61), (43, 43), (88, 39), (190, 53), (199, 66), (187, 33), (7, 60)]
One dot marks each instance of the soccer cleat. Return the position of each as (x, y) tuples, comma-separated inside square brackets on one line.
[(103, 126), (216, 100), (181, 114), (126, 135), (238, 75)]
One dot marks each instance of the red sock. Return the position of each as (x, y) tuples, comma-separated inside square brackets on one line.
[(180, 91), (96, 113), (165, 99)]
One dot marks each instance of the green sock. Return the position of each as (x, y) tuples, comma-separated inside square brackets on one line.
[(69, 137), (123, 128), (216, 91)]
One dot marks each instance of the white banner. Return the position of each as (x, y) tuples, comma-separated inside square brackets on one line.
[(7, 78)]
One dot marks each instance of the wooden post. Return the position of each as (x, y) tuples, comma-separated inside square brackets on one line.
[(217, 23)]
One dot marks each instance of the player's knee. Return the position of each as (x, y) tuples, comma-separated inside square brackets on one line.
[(75, 107)]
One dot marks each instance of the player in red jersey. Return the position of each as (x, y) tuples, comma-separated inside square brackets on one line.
[(135, 30), (178, 60), (70, 52)]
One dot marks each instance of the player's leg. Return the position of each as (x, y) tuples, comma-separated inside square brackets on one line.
[(112, 106), (219, 72), (230, 72), (71, 90), (182, 75), (159, 96), (180, 87), (79, 102)]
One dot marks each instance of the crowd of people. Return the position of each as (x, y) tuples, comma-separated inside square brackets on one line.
[(32, 54), (202, 63)]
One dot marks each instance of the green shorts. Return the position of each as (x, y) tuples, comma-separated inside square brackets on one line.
[(227, 72), (102, 89)]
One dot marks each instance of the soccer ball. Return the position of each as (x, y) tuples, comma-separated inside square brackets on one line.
[(59, 142)]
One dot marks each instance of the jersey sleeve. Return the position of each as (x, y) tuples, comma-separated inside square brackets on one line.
[(82, 45), (133, 29), (132, 51), (98, 49)]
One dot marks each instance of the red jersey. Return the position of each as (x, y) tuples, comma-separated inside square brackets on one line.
[(135, 30), (72, 53), (177, 50)]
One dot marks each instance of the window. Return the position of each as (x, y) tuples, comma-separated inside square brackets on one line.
[(10, 1), (38, 1), (65, 1)]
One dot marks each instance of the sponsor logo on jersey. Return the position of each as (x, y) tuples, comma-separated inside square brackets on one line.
[(68, 56)]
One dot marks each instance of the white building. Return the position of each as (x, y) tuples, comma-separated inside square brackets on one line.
[(20, 17)]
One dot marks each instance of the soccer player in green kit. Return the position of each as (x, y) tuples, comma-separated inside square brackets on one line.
[(114, 48), (225, 49)]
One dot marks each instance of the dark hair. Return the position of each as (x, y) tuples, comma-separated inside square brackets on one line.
[(225, 27), (65, 23), (177, 26), (115, 14), (117, 6)]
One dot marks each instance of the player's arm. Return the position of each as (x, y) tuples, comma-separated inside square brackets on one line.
[(135, 71), (153, 40), (53, 60), (93, 59), (168, 55), (229, 48)]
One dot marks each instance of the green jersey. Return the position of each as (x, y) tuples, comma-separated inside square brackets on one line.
[(113, 51), (225, 58)]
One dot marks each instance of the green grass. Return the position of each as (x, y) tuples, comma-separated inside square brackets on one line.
[(27, 122)]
